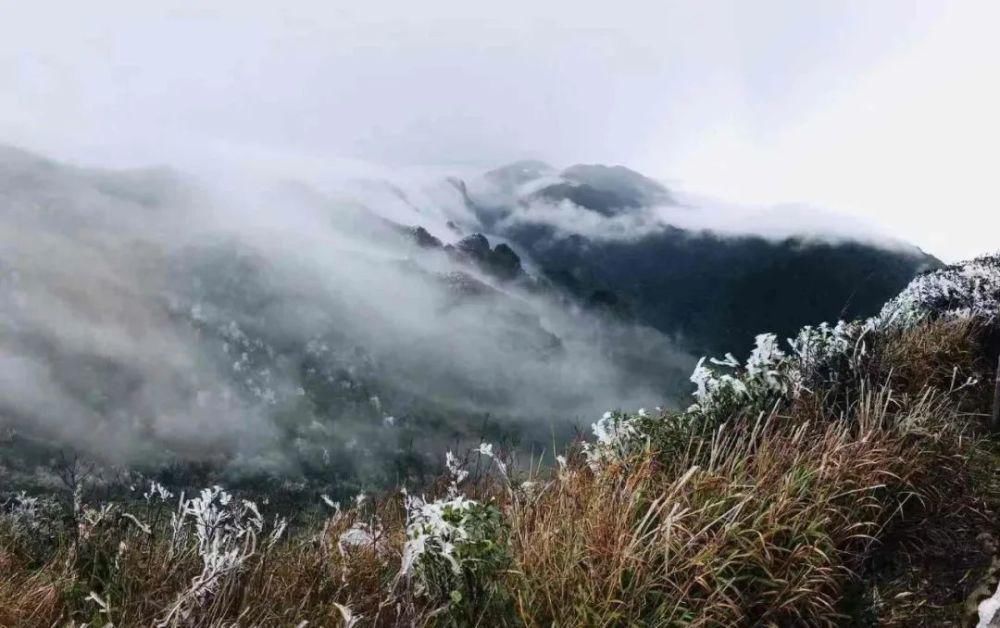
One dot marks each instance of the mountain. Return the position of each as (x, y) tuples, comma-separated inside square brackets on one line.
[(148, 317), (598, 233), (281, 329)]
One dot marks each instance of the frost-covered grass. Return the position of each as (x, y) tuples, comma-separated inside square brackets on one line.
[(763, 503), (824, 357), (763, 521), (967, 290)]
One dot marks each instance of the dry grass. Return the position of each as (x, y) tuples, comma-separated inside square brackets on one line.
[(942, 355), (762, 526), (775, 520), (28, 597)]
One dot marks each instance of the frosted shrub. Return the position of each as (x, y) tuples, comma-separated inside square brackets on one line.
[(226, 533), (967, 290), (617, 435), (455, 546), (727, 387), (455, 472), (815, 347), (768, 364), (823, 354), (23, 511), (454, 551), (157, 491), (828, 355), (433, 531), (30, 519)]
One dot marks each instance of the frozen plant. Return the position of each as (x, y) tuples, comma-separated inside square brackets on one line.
[(335, 506), (967, 290), (617, 435), (158, 491), (456, 473), (38, 517), (769, 367), (360, 534), (226, 533), (433, 529), (454, 550), (350, 619), (486, 450), (816, 346)]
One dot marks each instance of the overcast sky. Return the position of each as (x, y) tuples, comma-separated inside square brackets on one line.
[(886, 110)]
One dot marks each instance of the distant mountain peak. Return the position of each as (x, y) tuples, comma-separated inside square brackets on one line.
[(616, 178), (519, 172), (607, 190)]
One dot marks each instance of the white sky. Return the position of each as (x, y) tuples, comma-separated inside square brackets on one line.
[(883, 109)]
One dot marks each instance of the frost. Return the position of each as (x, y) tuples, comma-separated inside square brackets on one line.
[(816, 355), (359, 535), (350, 619), (226, 533), (457, 473), (617, 435), (330, 503), (486, 449), (434, 529), (102, 604), (967, 290), (27, 514), (529, 488), (157, 490)]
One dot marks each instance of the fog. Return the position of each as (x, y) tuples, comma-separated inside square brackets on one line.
[(250, 318)]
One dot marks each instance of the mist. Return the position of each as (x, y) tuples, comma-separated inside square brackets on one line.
[(522, 194), (259, 322)]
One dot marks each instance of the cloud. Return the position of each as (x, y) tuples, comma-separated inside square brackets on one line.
[(781, 101), (261, 320), (543, 196)]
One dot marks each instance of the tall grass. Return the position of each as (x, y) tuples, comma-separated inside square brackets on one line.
[(770, 518)]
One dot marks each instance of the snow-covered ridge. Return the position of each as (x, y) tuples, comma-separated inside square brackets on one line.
[(967, 290), (815, 356)]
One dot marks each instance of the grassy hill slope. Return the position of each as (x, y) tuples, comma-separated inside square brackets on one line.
[(842, 478)]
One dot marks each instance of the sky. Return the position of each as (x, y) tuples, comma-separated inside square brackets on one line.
[(885, 111)]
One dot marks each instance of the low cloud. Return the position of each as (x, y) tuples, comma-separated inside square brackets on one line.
[(520, 203), (276, 323)]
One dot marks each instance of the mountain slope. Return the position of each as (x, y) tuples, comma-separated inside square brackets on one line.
[(147, 317), (599, 232), (285, 331), (842, 479)]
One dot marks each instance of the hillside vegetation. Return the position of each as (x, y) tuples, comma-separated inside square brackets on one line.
[(844, 477)]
